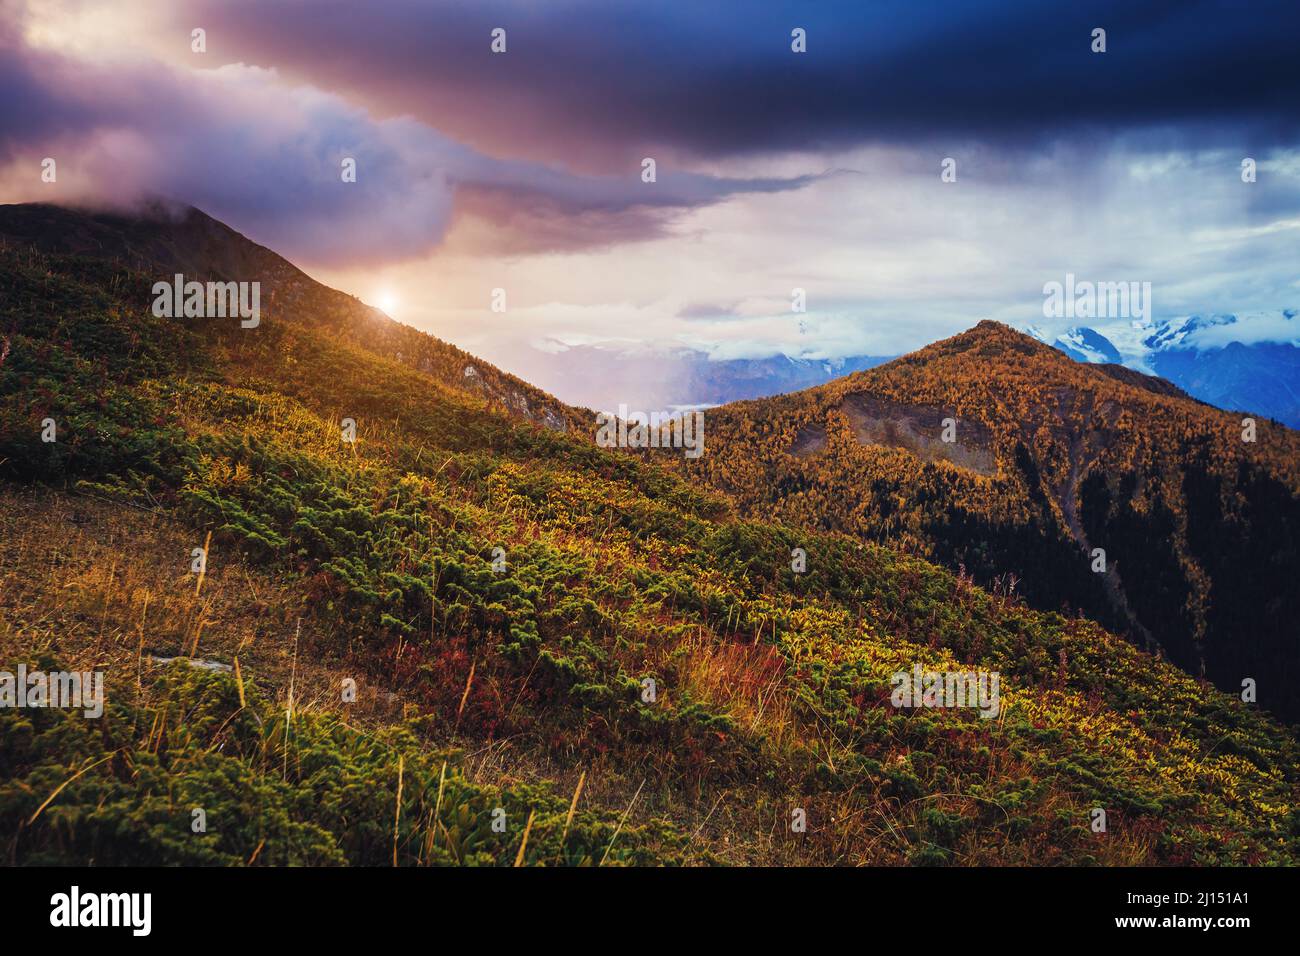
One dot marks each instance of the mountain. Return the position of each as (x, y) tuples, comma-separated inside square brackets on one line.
[(1263, 378), (1087, 345), (1204, 355), (679, 378), (1051, 460), (471, 636), (166, 239)]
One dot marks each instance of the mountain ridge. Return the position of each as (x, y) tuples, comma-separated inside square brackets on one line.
[(1085, 456), (171, 237)]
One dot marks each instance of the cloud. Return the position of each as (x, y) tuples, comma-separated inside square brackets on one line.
[(266, 156), (775, 170), (598, 84), (1249, 329), (889, 256), (705, 310)]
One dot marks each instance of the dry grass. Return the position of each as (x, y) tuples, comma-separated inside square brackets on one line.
[(743, 681), (106, 587), (101, 586)]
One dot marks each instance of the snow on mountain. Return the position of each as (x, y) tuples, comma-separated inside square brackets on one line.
[(1183, 332), (1087, 345), (1243, 362)]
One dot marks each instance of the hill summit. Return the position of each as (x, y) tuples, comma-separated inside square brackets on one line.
[(1093, 488)]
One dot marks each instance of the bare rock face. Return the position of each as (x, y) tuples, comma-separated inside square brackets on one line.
[(811, 440), (919, 429)]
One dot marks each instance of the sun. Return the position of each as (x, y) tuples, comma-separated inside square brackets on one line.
[(386, 301)]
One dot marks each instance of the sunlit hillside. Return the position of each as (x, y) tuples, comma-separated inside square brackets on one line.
[(1045, 464), (560, 654)]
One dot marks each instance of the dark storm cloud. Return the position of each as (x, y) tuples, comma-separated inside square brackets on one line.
[(37, 93), (598, 83), (248, 148)]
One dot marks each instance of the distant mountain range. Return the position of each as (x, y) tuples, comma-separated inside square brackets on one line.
[(1248, 362), (681, 377)]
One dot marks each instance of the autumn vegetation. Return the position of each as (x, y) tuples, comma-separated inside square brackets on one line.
[(522, 687), (1200, 528)]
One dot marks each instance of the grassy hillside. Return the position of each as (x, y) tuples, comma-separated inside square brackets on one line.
[(1051, 460), (523, 687), (171, 238)]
